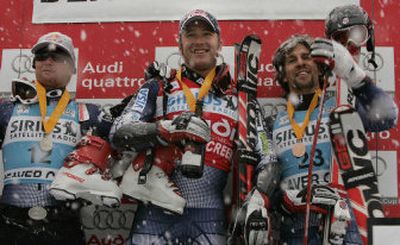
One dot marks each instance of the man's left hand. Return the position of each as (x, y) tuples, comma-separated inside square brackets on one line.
[(339, 222), (158, 69), (338, 59), (253, 219)]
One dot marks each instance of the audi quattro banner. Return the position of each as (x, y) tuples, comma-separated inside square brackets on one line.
[(113, 56), (69, 11)]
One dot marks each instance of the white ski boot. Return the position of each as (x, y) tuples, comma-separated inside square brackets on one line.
[(158, 189), (85, 181), (84, 175)]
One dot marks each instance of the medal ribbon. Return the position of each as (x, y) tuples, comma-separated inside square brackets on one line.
[(49, 124), (205, 87), (299, 131)]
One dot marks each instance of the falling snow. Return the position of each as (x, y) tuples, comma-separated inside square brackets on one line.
[(137, 34), (83, 35), (133, 45)]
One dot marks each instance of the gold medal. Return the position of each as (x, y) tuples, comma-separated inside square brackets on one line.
[(299, 149), (37, 213), (46, 144), (205, 87)]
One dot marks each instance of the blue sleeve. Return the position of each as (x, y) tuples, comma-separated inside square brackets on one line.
[(100, 126), (377, 109), (6, 109)]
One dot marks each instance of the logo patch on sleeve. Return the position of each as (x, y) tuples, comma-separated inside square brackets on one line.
[(141, 100)]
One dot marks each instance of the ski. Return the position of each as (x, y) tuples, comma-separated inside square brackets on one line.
[(247, 56), (356, 170), (247, 65)]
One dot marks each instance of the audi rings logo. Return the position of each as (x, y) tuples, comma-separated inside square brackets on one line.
[(175, 59), (368, 66), (22, 64), (112, 219), (380, 165)]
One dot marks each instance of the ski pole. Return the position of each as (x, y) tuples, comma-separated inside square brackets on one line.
[(311, 165)]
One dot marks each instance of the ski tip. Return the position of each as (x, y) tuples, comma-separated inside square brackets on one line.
[(343, 109), (251, 37)]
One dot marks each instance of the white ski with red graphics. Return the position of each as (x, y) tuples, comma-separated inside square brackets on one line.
[(247, 56), (350, 145), (247, 68)]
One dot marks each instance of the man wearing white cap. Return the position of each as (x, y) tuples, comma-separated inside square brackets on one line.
[(39, 128)]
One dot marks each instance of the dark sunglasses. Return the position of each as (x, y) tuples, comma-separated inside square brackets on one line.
[(56, 56)]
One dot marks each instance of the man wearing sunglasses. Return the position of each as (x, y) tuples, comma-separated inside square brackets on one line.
[(351, 26), (39, 128)]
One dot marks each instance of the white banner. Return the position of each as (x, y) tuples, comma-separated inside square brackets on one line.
[(385, 166), (79, 11), (17, 63), (384, 75)]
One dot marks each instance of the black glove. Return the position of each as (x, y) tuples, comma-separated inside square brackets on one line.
[(253, 219), (322, 197), (340, 218), (186, 126)]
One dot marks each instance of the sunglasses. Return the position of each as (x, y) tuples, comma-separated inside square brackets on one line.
[(357, 34), (58, 57), (24, 91)]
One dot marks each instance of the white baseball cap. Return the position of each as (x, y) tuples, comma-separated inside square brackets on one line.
[(53, 40)]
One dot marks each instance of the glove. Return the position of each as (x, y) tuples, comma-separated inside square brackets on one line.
[(162, 70), (186, 126), (339, 222), (322, 197), (339, 60), (253, 219), (256, 225)]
